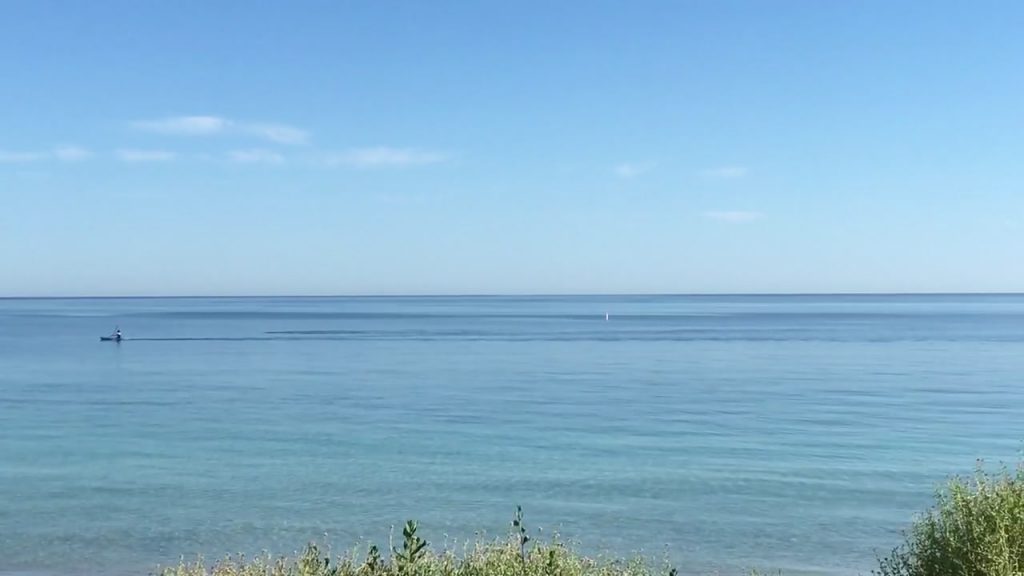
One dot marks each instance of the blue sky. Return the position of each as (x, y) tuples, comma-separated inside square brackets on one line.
[(510, 147)]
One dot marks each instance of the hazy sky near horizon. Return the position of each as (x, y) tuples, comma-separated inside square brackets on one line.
[(194, 147)]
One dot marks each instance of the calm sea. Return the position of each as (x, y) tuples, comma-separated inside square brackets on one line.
[(798, 433)]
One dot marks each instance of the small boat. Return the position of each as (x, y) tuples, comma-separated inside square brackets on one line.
[(110, 338)]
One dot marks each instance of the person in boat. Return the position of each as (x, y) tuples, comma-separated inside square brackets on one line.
[(117, 333)]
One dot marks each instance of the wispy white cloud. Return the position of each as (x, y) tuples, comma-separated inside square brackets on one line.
[(733, 216), (280, 133), (184, 125), (62, 153), (134, 155), (255, 156), (71, 153), (216, 125), (384, 157), (726, 172), (633, 169), (9, 157)]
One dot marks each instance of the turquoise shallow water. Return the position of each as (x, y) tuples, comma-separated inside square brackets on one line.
[(785, 432)]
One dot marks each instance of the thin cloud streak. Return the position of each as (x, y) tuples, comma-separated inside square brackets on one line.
[(280, 133), (633, 169), (138, 156), (733, 216), (385, 157), (255, 156), (62, 153), (217, 126), (9, 157), (726, 172), (71, 153), (184, 125)]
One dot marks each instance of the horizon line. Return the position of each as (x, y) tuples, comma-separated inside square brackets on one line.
[(503, 295)]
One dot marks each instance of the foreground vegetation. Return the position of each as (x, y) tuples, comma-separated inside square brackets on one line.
[(976, 528), (515, 556)]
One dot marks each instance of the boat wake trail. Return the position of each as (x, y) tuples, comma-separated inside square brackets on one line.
[(211, 339)]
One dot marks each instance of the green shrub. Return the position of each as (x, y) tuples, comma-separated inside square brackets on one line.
[(976, 528)]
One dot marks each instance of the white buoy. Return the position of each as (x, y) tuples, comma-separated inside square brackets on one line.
[(605, 316)]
